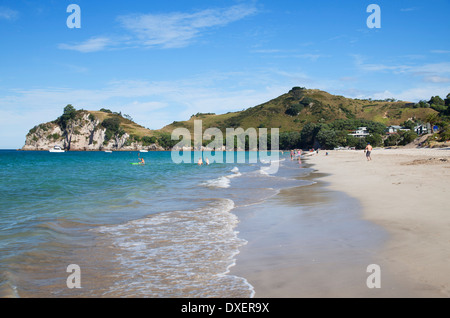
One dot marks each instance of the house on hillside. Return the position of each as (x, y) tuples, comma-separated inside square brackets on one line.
[(423, 129), (360, 132), (394, 129)]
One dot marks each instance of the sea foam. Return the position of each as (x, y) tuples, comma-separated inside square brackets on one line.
[(179, 254)]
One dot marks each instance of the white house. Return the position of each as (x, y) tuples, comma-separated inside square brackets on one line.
[(360, 132), (423, 129), (394, 129)]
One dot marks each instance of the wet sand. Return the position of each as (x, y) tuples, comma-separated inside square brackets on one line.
[(317, 241)]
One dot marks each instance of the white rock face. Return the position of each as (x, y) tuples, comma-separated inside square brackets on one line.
[(44, 137), (81, 134)]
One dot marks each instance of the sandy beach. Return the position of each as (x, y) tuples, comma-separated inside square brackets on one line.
[(317, 241)]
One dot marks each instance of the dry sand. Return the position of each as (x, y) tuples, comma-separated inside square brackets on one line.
[(317, 241), (406, 192)]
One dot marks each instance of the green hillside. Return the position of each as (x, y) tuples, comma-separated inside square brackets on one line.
[(293, 110), (305, 117), (129, 126)]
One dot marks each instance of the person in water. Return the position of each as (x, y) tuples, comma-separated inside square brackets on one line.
[(200, 161), (142, 161), (207, 161)]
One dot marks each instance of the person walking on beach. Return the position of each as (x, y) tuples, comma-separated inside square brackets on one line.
[(368, 150)]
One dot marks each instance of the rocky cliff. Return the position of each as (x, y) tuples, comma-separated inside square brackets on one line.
[(85, 131)]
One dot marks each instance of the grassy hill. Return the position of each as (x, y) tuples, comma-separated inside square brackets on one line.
[(293, 110), (129, 126)]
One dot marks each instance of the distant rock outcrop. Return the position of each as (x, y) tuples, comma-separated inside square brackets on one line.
[(83, 131)]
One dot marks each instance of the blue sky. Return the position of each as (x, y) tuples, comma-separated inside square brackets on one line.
[(162, 61)]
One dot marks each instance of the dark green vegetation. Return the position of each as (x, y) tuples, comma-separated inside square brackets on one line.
[(117, 124), (442, 118), (70, 113), (113, 129)]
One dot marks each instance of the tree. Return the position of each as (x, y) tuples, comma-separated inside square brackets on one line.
[(294, 109), (392, 140), (361, 143), (342, 137), (444, 134), (436, 100), (439, 108), (374, 127), (447, 100), (327, 139), (351, 141), (433, 118), (353, 124), (307, 101), (409, 124), (289, 140), (422, 104), (297, 92), (407, 137), (112, 125), (127, 117), (375, 140), (147, 140), (68, 114), (308, 134), (165, 141)]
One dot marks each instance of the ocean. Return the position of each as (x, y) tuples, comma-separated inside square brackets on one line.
[(160, 230)]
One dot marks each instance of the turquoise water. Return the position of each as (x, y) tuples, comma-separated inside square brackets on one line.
[(159, 230)]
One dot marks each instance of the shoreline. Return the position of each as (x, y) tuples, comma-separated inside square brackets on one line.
[(307, 241), (396, 207), (404, 191)]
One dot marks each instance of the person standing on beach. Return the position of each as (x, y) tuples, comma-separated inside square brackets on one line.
[(368, 150)]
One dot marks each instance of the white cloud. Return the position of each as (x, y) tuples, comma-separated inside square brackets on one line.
[(309, 56), (169, 30), (92, 45), (434, 68), (431, 72), (290, 54), (8, 14), (267, 51), (424, 92), (413, 94), (409, 9), (374, 67), (440, 51), (349, 79), (174, 30), (436, 79)]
